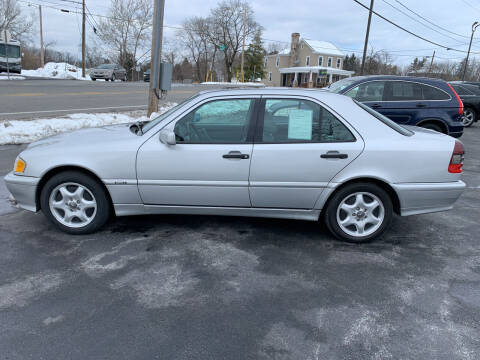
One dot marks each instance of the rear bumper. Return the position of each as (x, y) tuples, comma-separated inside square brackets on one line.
[(421, 198), (23, 189)]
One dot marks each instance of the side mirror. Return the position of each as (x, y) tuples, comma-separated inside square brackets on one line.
[(167, 137)]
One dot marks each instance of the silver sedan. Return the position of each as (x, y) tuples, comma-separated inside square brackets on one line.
[(282, 153)]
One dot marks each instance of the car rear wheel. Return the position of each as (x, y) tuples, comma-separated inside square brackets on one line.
[(469, 116), (93, 79), (359, 212), (75, 203), (113, 77)]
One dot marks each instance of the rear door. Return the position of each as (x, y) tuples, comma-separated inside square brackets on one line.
[(300, 145)]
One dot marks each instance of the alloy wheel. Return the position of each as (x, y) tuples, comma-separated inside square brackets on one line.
[(360, 214), (468, 117), (72, 205)]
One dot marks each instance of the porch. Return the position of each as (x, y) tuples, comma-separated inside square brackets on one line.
[(311, 76)]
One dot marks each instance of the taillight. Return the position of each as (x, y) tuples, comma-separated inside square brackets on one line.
[(460, 102), (456, 162)]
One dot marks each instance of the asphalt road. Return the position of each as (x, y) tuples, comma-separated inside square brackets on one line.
[(194, 287), (27, 99)]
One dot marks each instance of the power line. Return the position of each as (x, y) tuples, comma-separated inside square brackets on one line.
[(410, 32), (427, 20), (418, 21)]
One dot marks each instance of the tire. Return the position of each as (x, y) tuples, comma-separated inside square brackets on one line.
[(469, 117), (433, 126), (113, 78), (124, 78), (93, 205), (347, 198)]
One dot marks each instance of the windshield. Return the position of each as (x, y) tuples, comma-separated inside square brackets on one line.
[(151, 124), (13, 51), (106, 66), (398, 128), (338, 86)]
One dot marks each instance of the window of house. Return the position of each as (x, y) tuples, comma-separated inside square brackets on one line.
[(302, 45), (301, 121), (320, 61), (270, 76), (329, 63), (307, 61), (277, 62), (265, 63), (215, 122), (339, 63)]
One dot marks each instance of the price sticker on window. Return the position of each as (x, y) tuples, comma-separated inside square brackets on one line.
[(300, 124)]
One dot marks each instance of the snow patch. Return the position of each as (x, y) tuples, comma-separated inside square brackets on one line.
[(12, 77), (57, 71), (26, 131)]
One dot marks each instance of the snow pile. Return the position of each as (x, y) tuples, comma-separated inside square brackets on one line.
[(12, 77), (235, 83), (57, 71), (26, 131)]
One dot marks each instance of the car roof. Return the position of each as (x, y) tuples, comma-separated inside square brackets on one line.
[(254, 90), (396, 77)]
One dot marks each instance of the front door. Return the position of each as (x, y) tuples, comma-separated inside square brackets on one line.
[(299, 147), (209, 164)]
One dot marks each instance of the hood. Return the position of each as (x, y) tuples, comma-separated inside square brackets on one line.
[(88, 137)]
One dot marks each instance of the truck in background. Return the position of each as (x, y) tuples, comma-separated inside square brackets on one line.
[(10, 55)]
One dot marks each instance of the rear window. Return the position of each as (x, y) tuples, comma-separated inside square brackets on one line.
[(391, 124)]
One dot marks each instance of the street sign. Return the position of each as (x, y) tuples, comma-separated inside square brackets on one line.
[(322, 72), (222, 47)]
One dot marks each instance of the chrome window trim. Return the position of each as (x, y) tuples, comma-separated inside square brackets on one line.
[(411, 81)]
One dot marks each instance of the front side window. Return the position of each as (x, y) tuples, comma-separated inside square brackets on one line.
[(368, 91), (216, 122), (301, 121)]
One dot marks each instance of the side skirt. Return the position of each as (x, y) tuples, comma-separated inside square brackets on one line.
[(140, 209)]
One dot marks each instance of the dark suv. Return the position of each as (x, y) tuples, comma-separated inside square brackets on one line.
[(425, 102)]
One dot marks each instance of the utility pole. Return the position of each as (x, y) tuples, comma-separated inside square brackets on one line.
[(156, 56), (474, 27), (431, 62), (243, 42), (366, 38), (42, 50), (83, 38)]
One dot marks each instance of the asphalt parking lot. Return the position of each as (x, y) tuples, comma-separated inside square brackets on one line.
[(194, 287)]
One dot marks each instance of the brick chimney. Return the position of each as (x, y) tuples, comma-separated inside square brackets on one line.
[(295, 42)]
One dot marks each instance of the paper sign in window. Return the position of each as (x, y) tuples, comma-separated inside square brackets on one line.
[(300, 124)]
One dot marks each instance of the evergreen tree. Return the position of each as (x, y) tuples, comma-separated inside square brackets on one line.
[(254, 56)]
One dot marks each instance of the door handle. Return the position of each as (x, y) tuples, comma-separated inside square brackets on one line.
[(333, 155), (235, 155), (376, 106), (421, 105)]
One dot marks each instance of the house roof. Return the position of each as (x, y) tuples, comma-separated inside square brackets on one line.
[(323, 47)]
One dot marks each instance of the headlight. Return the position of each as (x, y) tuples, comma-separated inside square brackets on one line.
[(20, 165)]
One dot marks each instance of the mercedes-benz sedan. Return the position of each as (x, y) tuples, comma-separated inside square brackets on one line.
[(282, 153)]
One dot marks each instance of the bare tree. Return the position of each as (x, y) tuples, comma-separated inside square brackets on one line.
[(125, 30), (227, 29), (275, 47), (13, 20)]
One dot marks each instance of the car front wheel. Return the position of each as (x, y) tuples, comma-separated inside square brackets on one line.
[(75, 202), (469, 116), (359, 212)]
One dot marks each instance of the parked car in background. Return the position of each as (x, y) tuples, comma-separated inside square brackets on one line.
[(425, 102), (280, 153), (110, 72), (146, 76), (470, 95)]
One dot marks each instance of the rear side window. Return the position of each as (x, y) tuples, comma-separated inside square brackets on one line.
[(393, 125), (300, 121), (433, 93), (404, 91)]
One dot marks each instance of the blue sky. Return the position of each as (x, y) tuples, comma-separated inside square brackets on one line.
[(341, 22)]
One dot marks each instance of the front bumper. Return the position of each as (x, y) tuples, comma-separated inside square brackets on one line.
[(23, 189), (421, 198)]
